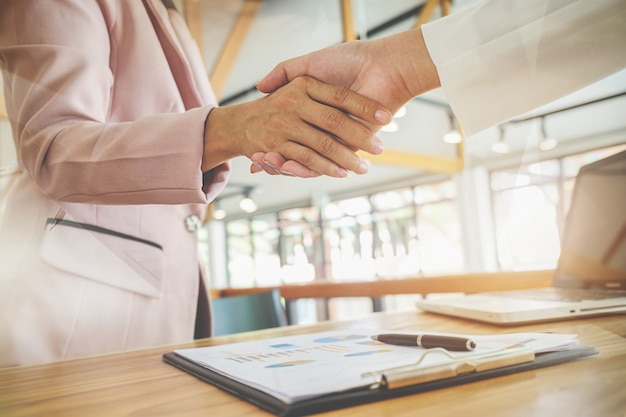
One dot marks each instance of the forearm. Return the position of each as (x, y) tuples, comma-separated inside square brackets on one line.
[(504, 58), (153, 160), (80, 132)]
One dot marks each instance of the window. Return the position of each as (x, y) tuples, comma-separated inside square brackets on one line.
[(439, 229), (525, 205), (530, 204), (299, 252), (349, 239), (265, 246), (392, 234), (240, 254), (395, 233)]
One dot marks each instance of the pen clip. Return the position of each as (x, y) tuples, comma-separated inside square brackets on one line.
[(413, 374), (380, 376), (381, 373)]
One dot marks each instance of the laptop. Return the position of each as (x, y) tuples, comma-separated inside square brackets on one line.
[(590, 278)]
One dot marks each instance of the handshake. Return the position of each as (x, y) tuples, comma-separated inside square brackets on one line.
[(323, 107)]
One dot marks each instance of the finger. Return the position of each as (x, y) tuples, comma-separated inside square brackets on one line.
[(284, 72), (274, 159), (268, 170), (355, 104), (295, 139), (262, 162), (257, 159), (326, 156), (259, 164), (275, 79), (351, 133), (328, 112), (255, 167), (287, 167), (314, 134), (315, 149), (296, 169), (327, 153)]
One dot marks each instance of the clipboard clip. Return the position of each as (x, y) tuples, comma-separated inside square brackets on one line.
[(413, 374)]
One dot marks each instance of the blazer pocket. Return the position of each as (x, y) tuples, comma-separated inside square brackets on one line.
[(104, 255)]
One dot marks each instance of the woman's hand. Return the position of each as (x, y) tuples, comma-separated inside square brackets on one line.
[(318, 126)]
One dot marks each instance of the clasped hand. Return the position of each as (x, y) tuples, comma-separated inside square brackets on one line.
[(389, 70), (318, 126)]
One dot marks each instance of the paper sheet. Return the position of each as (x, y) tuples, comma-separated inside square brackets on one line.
[(294, 368)]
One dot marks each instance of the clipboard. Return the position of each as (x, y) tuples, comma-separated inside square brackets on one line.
[(390, 383)]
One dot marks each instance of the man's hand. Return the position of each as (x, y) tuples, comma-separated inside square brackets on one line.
[(390, 71)]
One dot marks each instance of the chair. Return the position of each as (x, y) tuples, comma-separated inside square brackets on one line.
[(243, 313)]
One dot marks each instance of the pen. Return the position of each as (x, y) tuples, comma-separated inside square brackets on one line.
[(427, 341)]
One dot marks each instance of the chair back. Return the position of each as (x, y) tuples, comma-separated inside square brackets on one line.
[(243, 313)]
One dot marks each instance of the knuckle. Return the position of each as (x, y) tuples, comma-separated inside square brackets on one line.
[(327, 145), (333, 119), (307, 158), (286, 96), (367, 107), (341, 94), (353, 102), (290, 98), (300, 84), (302, 80)]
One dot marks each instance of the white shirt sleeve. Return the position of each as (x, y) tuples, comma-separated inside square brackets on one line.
[(503, 58)]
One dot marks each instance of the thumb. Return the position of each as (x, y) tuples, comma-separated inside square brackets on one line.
[(284, 72), (275, 79)]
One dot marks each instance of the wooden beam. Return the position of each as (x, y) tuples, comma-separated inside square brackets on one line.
[(193, 17), (460, 147), (3, 104), (349, 31), (414, 160), (426, 12), (3, 107), (231, 49), (446, 7)]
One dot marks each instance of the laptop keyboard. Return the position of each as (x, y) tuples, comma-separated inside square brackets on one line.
[(564, 294)]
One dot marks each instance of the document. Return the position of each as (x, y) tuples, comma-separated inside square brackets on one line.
[(296, 368)]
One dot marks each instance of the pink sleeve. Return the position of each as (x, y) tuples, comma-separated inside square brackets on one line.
[(89, 125)]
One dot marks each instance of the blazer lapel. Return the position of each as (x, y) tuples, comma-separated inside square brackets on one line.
[(175, 54)]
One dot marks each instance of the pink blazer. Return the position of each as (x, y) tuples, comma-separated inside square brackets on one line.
[(98, 251)]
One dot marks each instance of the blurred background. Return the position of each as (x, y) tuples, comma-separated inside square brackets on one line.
[(436, 202)]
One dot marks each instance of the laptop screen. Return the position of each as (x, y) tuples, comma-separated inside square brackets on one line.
[(593, 247)]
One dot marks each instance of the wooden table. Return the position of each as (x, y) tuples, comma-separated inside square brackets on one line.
[(377, 289), (467, 283), (139, 383)]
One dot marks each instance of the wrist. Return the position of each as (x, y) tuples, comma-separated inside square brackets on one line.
[(420, 71), (219, 138)]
